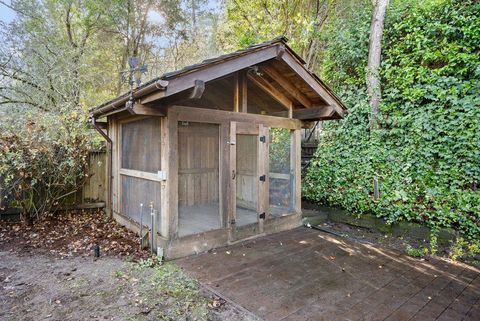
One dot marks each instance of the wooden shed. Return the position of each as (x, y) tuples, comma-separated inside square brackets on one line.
[(213, 150)]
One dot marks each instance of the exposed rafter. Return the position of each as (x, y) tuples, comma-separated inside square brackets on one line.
[(287, 85), (317, 113), (312, 82), (198, 89), (139, 109), (271, 90), (153, 97)]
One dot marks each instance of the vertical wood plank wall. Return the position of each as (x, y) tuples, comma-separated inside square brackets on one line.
[(198, 166)]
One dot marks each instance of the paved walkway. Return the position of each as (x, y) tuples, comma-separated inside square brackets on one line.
[(306, 274)]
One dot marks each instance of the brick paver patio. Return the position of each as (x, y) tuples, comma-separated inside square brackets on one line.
[(306, 274)]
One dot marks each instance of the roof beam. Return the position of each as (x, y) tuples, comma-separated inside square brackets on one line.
[(287, 85), (271, 90), (240, 92), (220, 68), (139, 109), (313, 83), (152, 97), (317, 113), (198, 89)]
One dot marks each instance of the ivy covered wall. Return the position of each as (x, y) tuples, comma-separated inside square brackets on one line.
[(426, 151)]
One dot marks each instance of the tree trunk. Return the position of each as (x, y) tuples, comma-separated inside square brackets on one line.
[(374, 56)]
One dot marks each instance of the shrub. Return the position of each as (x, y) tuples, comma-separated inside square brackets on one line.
[(426, 151), (43, 161)]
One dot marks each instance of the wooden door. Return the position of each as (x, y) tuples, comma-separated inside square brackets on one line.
[(247, 163)]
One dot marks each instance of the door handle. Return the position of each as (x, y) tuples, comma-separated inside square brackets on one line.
[(234, 175)]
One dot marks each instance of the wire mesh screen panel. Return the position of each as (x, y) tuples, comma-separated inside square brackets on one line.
[(141, 141), (136, 191), (198, 175), (280, 172), (246, 179)]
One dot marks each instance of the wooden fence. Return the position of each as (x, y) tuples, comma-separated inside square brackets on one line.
[(92, 194)]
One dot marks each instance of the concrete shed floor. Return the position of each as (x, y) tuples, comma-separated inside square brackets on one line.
[(305, 274)]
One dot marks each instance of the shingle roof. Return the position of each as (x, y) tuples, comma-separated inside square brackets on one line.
[(203, 64), (209, 62)]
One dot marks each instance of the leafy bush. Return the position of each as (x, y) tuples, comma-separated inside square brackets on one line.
[(416, 252), (279, 150), (43, 160), (426, 151)]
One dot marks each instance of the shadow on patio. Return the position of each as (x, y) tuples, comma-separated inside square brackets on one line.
[(306, 274)]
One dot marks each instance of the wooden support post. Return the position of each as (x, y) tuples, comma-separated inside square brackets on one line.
[(109, 175), (240, 92), (115, 134), (172, 173), (165, 185), (263, 169), (224, 175), (232, 181), (296, 158)]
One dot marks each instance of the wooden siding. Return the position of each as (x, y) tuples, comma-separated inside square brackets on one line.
[(198, 166)]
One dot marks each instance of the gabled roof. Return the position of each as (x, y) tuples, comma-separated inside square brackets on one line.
[(184, 79)]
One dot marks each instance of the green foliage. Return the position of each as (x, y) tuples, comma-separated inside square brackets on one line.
[(416, 252), (279, 150), (151, 262), (251, 21), (179, 292), (462, 248), (345, 39), (43, 165), (426, 151)]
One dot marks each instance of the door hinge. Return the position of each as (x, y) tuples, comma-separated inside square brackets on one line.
[(263, 139), (263, 178), (162, 175), (262, 215)]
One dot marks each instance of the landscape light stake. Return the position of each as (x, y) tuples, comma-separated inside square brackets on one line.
[(141, 226), (96, 251)]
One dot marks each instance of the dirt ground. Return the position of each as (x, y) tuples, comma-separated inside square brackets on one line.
[(48, 272), (38, 287)]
